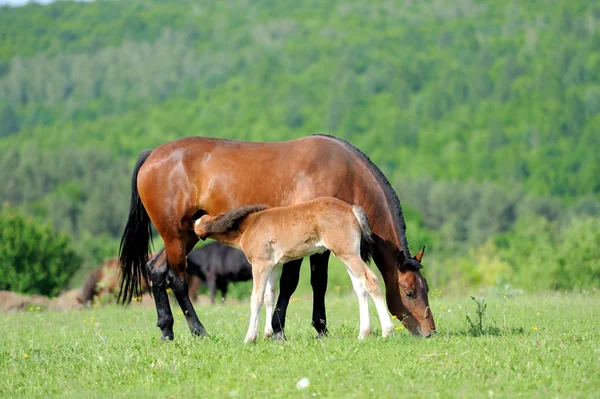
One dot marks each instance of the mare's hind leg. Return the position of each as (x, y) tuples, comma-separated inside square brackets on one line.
[(290, 275), (158, 271), (318, 281), (368, 280), (177, 249)]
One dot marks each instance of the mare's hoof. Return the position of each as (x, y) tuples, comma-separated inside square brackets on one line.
[(278, 336), (200, 332)]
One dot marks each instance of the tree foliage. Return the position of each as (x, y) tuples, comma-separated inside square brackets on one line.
[(482, 113)]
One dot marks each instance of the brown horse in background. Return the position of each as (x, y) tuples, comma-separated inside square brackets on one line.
[(101, 281), (273, 236), (179, 181)]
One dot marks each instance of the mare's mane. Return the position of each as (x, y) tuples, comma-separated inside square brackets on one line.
[(387, 189), (227, 221)]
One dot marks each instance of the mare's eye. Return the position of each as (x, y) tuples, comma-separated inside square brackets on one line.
[(410, 294)]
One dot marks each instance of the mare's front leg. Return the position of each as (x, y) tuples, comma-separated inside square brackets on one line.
[(318, 281), (177, 249), (290, 275)]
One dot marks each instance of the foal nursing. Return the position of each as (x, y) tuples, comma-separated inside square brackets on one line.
[(272, 236)]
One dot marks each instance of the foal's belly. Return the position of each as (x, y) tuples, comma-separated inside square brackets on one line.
[(283, 254)]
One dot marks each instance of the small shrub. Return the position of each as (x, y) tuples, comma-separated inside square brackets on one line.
[(34, 258)]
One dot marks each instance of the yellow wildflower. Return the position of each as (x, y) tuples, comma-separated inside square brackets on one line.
[(179, 312), (25, 355), (168, 291), (394, 317), (534, 328), (399, 328), (31, 308), (37, 308), (241, 318), (85, 320), (538, 313)]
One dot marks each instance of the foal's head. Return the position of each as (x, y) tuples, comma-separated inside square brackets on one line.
[(224, 223), (417, 316)]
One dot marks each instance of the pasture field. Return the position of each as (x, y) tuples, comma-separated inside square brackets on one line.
[(545, 345)]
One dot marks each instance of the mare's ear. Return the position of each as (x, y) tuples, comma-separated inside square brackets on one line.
[(400, 259), (419, 256)]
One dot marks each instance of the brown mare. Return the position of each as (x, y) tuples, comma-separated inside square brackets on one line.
[(272, 236), (179, 181)]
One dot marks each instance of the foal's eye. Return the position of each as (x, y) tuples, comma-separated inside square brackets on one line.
[(410, 294)]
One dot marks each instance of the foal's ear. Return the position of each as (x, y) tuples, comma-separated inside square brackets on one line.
[(400, 260), (419, 256)]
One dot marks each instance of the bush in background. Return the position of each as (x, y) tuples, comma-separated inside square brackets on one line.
[(34, 258)]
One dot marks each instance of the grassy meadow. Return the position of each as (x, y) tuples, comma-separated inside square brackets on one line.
[(543, 345)]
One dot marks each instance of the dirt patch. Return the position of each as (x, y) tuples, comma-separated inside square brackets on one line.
[(11, 301)]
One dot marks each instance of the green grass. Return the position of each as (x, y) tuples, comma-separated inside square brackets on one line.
[(531, 346)]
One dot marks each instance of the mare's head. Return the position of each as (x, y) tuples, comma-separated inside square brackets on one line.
[(416, 314)]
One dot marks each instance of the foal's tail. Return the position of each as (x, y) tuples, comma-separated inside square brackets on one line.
[(135, 243), (366, 241)]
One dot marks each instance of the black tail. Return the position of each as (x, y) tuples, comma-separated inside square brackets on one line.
[(135, 243), (366, 239)]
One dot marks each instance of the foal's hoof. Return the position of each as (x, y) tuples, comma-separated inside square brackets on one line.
[(278, 336), (364, 333), (268, 333), (250, 339)]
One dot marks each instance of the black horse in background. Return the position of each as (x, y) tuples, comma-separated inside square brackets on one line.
[(216, 265)]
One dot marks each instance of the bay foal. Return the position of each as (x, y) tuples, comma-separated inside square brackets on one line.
[(272, 236)]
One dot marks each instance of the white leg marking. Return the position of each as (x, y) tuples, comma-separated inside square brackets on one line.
[(256, 301), (363, 305), (270, 300)]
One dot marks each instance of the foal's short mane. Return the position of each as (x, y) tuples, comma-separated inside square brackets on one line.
[(387, 189), (227, 221)]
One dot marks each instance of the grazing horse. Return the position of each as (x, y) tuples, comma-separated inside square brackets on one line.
[(179, 181), (216, 265), (270, 237), (102, 280)]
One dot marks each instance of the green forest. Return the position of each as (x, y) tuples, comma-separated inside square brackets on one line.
[(485, 116)]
